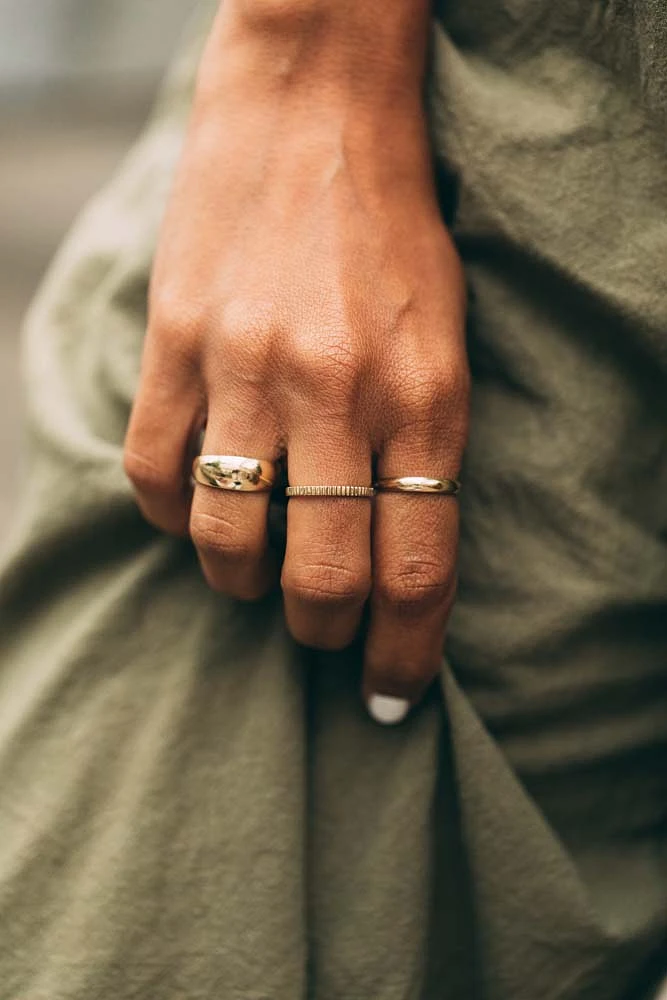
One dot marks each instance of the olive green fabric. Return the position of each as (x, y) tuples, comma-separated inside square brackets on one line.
[(193, 807)]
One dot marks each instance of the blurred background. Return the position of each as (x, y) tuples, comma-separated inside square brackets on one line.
[(77, 79)]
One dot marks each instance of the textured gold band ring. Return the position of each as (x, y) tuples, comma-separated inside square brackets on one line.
[(329, 491), (234, 472), (418, 484)]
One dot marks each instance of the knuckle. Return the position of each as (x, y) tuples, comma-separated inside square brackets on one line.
[(248, 325), (418, 586), (146, 476), (327, 584), (177, 319), (434, 404), (434, 390), (333, 363), (216, 535)]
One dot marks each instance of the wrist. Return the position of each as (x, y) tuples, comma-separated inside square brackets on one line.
[(366, 51)]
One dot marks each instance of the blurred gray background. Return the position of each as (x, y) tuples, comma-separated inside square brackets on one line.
[(77, 78)]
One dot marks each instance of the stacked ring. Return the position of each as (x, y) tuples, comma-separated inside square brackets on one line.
[(240, 473)]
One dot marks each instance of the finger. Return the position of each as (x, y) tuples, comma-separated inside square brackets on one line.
[(228, 528), (326, 574), (166, 418), (415, 537)]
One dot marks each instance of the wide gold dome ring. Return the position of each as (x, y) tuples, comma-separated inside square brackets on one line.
[(234, 472), (418, 484)]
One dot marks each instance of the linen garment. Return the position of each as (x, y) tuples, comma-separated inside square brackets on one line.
[(195, 807)]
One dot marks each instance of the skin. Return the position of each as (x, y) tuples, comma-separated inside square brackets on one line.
[(307, 302)]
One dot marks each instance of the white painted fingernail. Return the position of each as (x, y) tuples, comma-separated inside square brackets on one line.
[(388, 710)]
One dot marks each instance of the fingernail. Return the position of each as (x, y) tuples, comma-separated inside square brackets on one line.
[(388, 710)]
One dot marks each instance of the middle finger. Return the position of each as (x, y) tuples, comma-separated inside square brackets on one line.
[(326, 576)]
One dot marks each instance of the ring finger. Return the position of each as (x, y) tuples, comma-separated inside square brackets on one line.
[(415, 539)]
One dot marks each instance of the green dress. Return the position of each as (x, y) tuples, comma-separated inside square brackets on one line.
[(194, 807)]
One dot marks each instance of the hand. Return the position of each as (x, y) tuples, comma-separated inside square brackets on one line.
[(307, 300)]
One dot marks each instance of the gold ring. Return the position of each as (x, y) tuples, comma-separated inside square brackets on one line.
[(418, 484), (234, 472), (329, 491)]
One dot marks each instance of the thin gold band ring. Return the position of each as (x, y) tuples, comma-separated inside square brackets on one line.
[(329, 491), (418, 484)]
